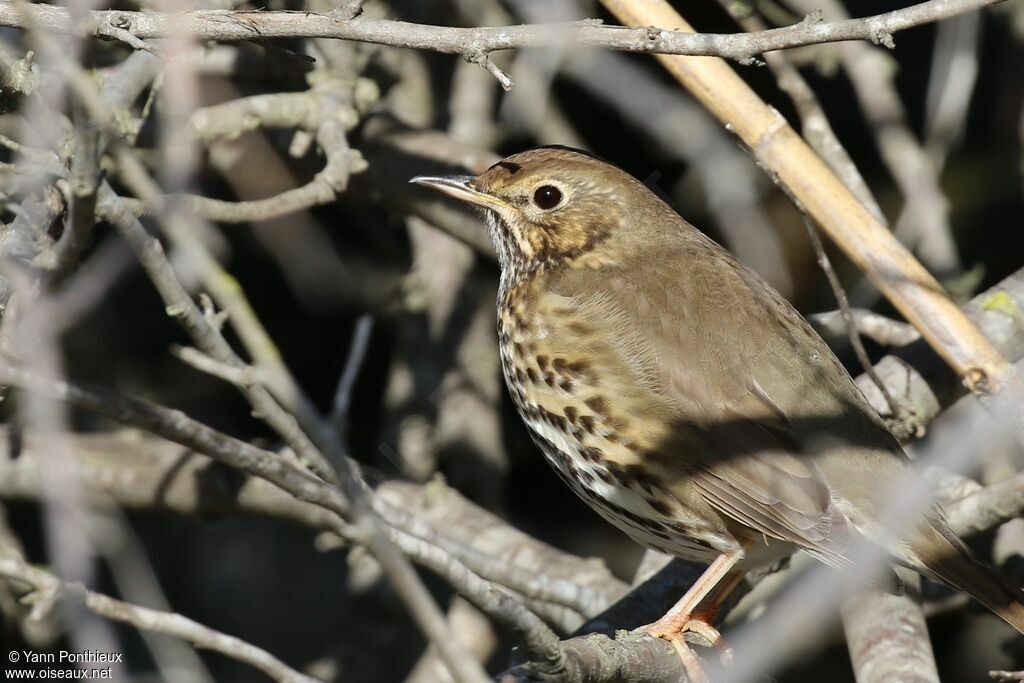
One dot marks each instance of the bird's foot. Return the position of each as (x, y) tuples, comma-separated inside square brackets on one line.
[(673, 629)]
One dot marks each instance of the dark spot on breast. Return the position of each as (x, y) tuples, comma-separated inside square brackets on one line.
[(637, 520), (542, 363), (598, 405), (579, 328), (554, 419), (532, 375), (577, 368), (619, 472), (640, 474), (552, 451), (573, 369), (549, 379), (572, 414), (587, 422), (592, 454), (565, 385)]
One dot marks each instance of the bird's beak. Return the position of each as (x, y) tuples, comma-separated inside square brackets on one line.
[(460, 187)]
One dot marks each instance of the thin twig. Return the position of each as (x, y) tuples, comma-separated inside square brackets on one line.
[(240, 376), (320, 112), (844, 304), (84, 180), (346, 383)]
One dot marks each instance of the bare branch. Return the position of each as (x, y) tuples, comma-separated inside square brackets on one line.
[(987, 508), (885, 331), (914, 376), (322, 111), (244, 376), (629, 659), (248, 25), (84, 180), (888, 638)]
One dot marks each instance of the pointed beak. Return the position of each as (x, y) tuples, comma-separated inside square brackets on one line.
[(460, 187)]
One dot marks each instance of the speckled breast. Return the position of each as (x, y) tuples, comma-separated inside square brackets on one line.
[(567, 400)]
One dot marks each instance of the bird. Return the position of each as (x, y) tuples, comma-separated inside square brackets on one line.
[(683, 398)]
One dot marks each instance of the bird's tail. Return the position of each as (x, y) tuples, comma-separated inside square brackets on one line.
[(949, 560)]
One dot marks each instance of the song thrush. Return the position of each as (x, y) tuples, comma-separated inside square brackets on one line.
[(681, 396)]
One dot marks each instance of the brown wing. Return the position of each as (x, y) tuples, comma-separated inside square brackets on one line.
[(737, 365)]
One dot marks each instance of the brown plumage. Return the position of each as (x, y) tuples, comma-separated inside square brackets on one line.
[(680, 395)]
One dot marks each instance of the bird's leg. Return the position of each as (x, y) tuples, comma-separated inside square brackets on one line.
[(707, 593), (704, 615), (696, 610)]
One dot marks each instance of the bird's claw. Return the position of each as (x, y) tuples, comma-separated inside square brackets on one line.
[(673, 631)]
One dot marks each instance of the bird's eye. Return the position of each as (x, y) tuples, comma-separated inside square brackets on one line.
[(547, 197)]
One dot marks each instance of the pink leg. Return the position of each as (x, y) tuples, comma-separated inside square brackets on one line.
[(697, 609)]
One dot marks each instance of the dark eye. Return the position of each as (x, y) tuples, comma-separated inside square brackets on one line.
[(547, 197)]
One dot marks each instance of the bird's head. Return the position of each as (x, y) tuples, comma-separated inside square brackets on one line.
[(553, 205)]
